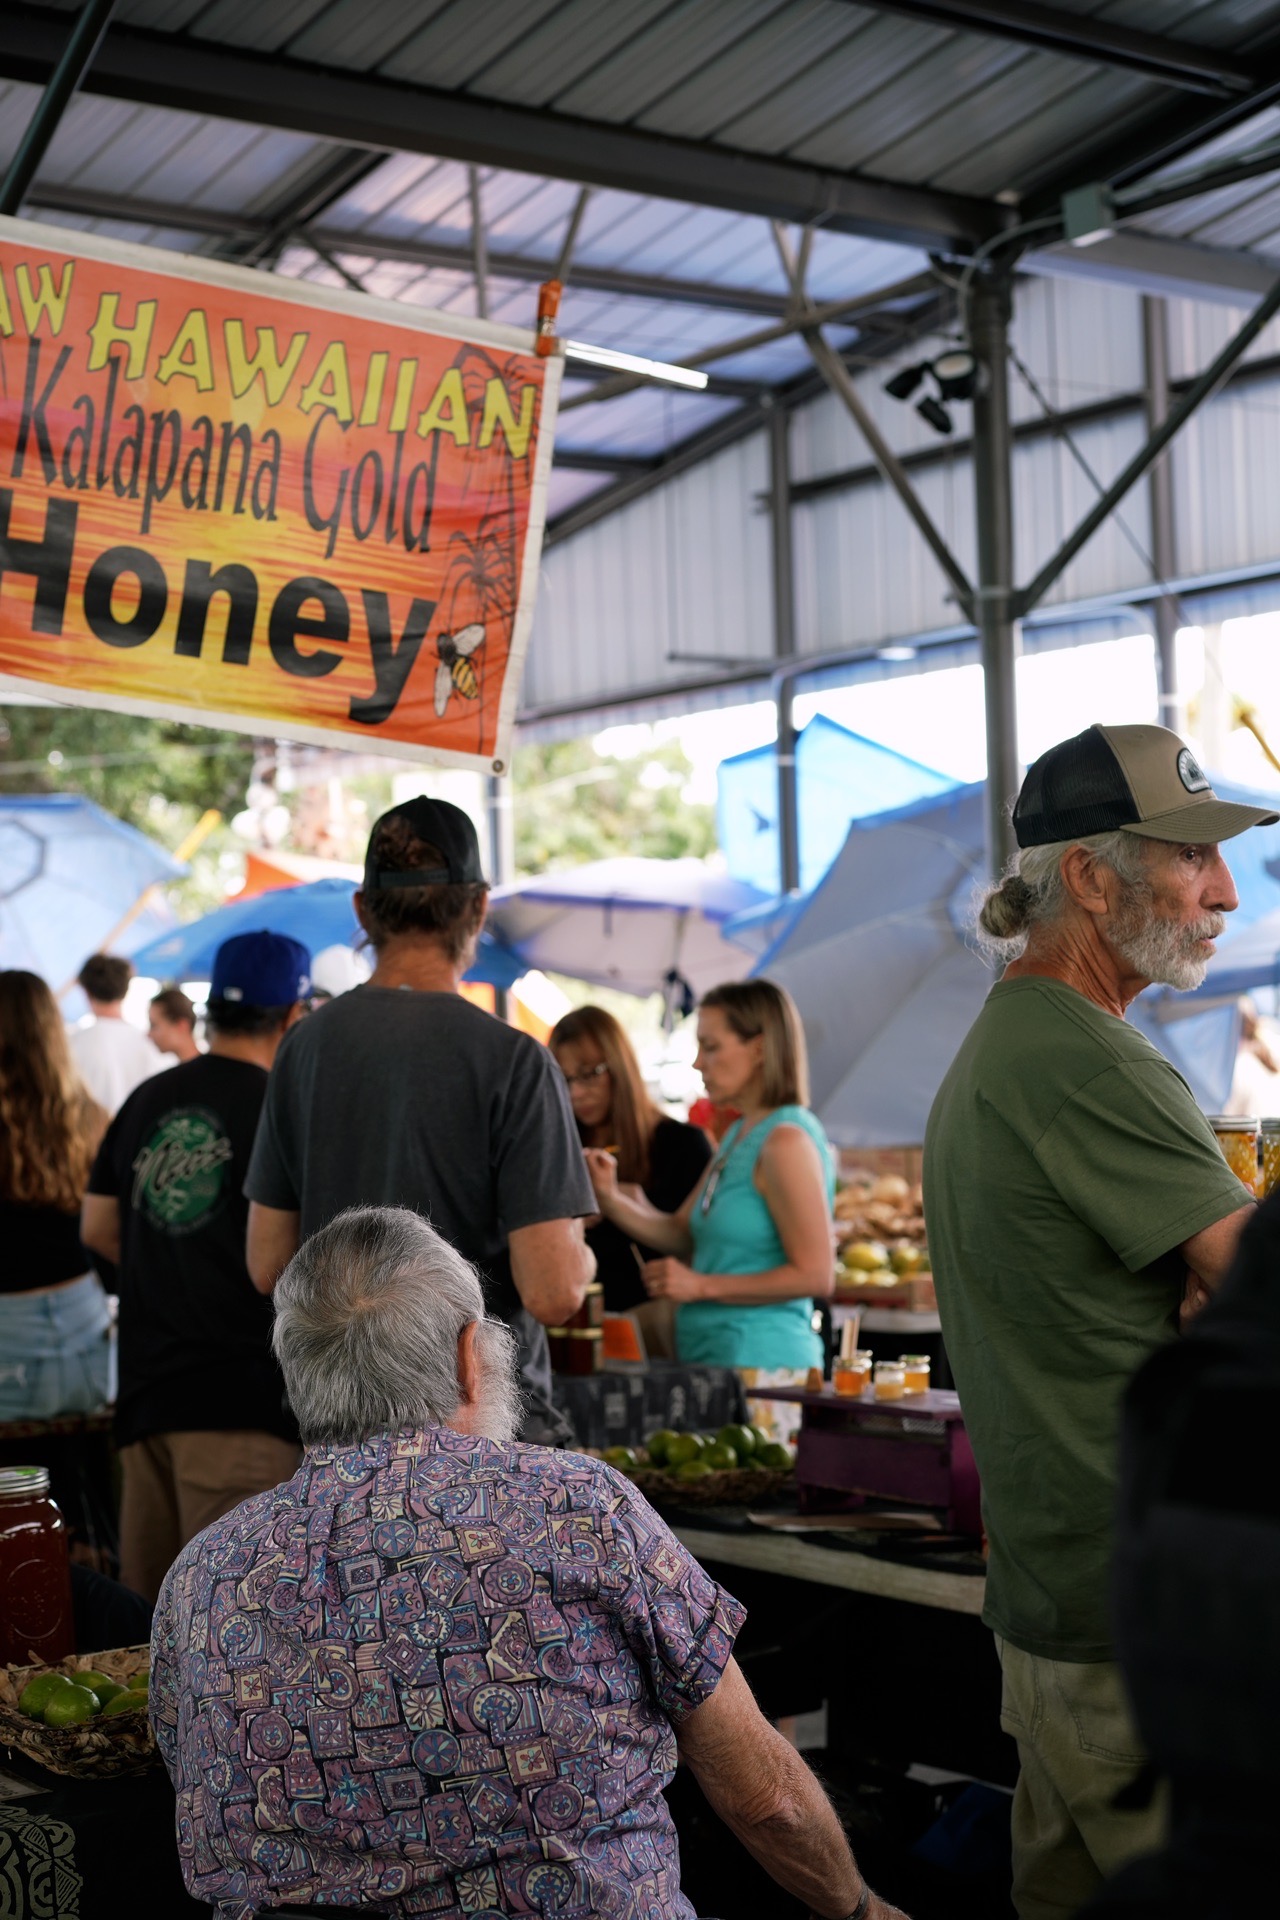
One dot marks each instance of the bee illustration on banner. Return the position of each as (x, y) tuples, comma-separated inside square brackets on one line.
[(456, 672)]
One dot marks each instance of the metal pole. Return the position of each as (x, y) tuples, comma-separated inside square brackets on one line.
[(990, 309), (1199, 391), (77, 58), (502, 855), (479, 244), (788, 803), (784, 608), (1155, 353)]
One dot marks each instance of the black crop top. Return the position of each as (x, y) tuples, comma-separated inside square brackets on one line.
[(41, 1247)]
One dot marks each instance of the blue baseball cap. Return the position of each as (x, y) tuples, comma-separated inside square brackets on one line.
[(261, 970)]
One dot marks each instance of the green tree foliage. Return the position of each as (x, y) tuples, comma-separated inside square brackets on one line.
[(572, 805), (158, 775)]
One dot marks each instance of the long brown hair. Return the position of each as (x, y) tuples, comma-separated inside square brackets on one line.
[(634, 1115), (760, 1007), (50, 1125)]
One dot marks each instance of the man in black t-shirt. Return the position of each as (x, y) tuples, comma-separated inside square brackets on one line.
[(402, 1094), (201, 1422)]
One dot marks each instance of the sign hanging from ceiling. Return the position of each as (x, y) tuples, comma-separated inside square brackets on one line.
[(263, 505)]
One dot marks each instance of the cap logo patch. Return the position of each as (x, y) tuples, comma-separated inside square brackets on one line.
[(1191, 773)]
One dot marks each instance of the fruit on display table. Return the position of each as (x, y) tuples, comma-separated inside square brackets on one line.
[(64, 1700), (737, 1463), (879, 1230)]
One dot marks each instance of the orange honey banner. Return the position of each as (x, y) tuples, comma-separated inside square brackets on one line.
[(242, 500)]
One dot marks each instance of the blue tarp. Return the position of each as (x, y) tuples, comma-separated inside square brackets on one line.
[(319, 914), (839, 777), (69, 872)]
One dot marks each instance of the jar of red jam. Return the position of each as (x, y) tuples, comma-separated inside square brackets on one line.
[(35, 1571)]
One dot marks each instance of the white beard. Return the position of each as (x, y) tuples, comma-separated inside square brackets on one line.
[(1163, 951)]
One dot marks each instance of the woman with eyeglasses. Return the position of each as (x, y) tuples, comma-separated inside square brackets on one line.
[(749, 1249), (656, 1160)]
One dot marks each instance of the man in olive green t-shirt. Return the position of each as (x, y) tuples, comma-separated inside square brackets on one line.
[(1077, 1206)]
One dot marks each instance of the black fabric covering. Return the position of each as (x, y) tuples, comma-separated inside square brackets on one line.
[(1076, 788), (1197, 1573)]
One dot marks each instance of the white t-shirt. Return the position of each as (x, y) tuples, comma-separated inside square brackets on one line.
[(113, 1058)]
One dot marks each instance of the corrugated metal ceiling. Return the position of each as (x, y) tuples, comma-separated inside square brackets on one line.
[(856, 89)]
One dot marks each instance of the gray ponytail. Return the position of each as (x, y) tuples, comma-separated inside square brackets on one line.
[(1032, 893)]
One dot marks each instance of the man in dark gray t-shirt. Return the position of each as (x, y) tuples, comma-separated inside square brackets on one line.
[(401, 1093)]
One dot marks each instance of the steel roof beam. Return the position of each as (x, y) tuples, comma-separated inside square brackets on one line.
[(1173, 63), (1164, 138), (214, 221), (355, 109)]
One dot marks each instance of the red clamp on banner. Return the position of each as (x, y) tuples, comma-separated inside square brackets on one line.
[(548, 310)]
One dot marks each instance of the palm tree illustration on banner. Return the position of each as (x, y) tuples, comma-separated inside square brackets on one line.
[(482, 575)]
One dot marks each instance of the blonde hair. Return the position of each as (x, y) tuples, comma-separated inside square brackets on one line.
[(50, 1125), (633, 1116), (759, 1007)]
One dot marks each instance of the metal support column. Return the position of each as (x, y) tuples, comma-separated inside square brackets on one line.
[(1155, 354), (991, 305), (784, 643), (77, 58), (502, 854)]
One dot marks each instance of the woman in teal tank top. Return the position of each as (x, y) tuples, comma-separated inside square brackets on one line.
[(750, 1249)]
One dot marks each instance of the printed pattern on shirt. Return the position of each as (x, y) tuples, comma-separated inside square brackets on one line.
[(436, 1674)]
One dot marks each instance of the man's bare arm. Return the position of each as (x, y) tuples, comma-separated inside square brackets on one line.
[(100, 1225), (552, 1266), (768, 1797), (1209, 1256), (272, 1241)]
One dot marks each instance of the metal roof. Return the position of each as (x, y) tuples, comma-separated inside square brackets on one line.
[(332, 139)]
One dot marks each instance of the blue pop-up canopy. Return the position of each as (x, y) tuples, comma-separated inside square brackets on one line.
[(69, 873), (319, 914), (839, 777)]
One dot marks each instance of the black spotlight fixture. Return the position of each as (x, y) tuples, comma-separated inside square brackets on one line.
[(905, 381), (935, 413), (957, 373)]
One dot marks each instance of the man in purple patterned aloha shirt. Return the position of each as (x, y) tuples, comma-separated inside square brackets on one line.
[(442, 1673)]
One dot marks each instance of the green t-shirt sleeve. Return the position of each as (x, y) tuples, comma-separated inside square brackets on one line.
[(1131, 1153)]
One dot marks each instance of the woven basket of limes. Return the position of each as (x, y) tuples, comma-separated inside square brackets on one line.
[(86, 1715), (738, 1466)]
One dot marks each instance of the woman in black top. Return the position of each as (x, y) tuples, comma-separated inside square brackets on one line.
[(55, 1338), (661, 1158)]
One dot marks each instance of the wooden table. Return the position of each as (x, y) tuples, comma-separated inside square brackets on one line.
[(799, 1558)]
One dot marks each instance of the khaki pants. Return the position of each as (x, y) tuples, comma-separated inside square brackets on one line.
[(176, 1484), (1078, 1748)]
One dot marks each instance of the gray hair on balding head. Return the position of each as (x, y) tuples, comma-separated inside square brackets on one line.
[(1033, 893), (367, 1318)]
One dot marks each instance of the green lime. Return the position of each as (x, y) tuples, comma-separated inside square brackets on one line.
[(776, 1457), (693, 1470), (91, 1678), (741, 1439), (126, 1702), (621, 1457), (36, 1694), (760, 1437), (658, 1443), (107, 1690), (139, 1683), (69, 1705), (683, 1448), (719, 1458)]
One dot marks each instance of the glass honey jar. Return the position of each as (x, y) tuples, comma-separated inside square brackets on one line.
[(35, 1572), (890, 1381), (915, 1372), (1237, 1135), (852, 1376), (1270, 1133)]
